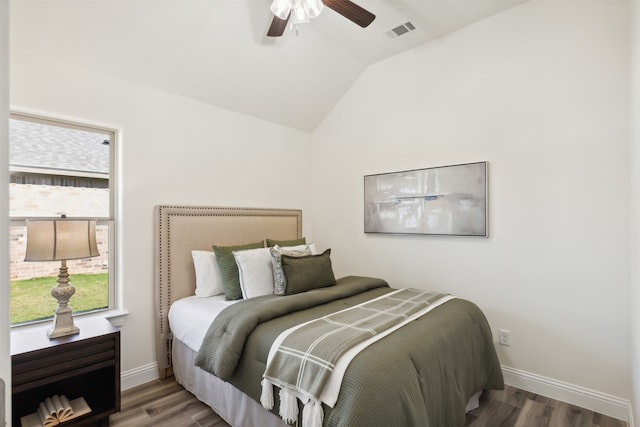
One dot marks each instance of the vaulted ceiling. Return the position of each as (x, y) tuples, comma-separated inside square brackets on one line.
[(216, 51)]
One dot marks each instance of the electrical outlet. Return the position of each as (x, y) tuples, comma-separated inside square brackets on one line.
[(505, 337)]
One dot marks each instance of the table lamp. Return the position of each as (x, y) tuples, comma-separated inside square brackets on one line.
[(61, 240)]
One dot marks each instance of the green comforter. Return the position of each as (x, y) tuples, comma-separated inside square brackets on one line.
[(421, 375)]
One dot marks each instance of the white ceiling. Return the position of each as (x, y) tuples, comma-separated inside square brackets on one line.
[(216, 51)]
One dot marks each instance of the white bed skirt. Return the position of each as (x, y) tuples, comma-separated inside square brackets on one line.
[(235, 407)]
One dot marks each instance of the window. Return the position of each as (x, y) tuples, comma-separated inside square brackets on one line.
[(60, 168)]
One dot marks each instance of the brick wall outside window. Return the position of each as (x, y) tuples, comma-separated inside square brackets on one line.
[(27, 200)]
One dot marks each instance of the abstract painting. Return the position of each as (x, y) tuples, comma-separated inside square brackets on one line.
[(446, 200)]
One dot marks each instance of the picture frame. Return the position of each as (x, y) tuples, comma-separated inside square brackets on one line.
[(445, 201)]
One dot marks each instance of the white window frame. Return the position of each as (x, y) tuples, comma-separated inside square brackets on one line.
[(114, 312)]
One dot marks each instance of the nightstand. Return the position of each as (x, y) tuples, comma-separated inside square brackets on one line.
[(86, 364)]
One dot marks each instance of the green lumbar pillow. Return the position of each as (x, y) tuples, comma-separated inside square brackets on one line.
[(307, 272), (295, 242)]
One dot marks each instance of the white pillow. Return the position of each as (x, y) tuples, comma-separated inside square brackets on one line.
[(311, 246), (208, 276), (255, 271)]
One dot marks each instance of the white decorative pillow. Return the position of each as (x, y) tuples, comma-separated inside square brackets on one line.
[(279, 279), (256, 272), (208, 276), (311, 246)]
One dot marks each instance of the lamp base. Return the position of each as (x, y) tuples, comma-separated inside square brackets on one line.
[(63, 320), (63, 324), (54, 332)]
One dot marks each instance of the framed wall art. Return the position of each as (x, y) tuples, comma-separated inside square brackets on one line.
[(446, 200)]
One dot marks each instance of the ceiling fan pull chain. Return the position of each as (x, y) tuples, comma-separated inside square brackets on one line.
[(294, 27)]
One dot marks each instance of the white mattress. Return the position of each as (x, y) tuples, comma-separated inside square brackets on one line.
[(190, 318)]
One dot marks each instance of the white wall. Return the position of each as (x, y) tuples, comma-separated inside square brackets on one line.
[(172, 151), (5, 359), (635, 208), (541, 92)]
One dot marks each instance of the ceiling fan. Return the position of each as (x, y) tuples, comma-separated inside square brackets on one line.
[(300, 11)]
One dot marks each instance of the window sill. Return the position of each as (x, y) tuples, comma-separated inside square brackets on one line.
[(115, 316)]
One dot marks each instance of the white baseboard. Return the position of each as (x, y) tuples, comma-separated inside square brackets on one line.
[(138, 376), (596, 401)]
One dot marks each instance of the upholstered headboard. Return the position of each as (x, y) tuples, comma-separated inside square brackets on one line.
[(181, 229)]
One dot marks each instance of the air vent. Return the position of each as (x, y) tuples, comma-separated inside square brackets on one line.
[(401, 30)]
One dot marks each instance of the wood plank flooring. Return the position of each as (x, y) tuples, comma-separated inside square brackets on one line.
[(166, 404), (519, 408)]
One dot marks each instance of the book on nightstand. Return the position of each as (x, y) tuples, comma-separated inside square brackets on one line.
[(55, 410)]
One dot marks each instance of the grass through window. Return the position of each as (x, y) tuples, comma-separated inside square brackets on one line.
[(31, 299)]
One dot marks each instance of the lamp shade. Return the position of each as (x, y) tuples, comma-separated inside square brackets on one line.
[(61, 239)]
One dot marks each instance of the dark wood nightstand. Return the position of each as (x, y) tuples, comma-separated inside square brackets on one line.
[(86, 364)]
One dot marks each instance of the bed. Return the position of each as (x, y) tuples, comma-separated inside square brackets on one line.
[(407, 389)]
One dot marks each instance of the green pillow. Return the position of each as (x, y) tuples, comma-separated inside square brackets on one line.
[(279, 279), (295, 242), (229, 268), (307, 272)]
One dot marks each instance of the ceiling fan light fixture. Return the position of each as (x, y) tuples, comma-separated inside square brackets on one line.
[(281, 8), (293, 12), (298, 16), (312, 8)]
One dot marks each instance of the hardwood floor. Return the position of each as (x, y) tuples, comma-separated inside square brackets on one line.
[(163, 403), (519, 408), (166, 403)]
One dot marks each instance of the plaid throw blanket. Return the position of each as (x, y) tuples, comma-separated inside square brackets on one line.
[(307, 362)]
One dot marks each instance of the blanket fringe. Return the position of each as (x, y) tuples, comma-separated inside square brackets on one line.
[(312, 414), (288, 406), (266, 397)]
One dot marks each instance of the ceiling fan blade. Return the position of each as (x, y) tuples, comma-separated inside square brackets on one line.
[(351, 11), (277, 26)]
